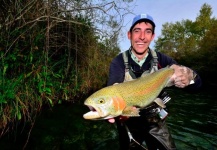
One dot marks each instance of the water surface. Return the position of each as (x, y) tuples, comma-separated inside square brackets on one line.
[(192, 121)]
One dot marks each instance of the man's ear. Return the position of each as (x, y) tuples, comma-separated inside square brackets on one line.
[(129, 35), (153, 36)]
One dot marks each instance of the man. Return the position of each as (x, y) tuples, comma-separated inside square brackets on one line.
[(148, 130)]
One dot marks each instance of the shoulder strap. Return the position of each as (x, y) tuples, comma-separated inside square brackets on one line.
[(129, 75), (125, 57), (154, 61)]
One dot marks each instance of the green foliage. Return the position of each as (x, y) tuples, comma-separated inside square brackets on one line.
[(192, 43), (207, 55), (49, 55)]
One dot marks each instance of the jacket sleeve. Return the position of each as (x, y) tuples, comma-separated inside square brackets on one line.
[(116, 70), (197, 84)]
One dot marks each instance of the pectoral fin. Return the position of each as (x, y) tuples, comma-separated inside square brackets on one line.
[(159, 102), (131, 111)]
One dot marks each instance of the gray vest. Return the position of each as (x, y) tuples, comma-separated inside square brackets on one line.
[(129, 75)]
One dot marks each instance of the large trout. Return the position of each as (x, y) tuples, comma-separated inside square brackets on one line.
[(127, 98)]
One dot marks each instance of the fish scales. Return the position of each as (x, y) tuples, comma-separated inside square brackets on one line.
[(148, 87)]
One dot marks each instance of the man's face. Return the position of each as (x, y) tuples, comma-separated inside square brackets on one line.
[(141, 37)]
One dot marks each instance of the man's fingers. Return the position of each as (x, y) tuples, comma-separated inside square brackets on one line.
[(120, 118), (111, 120)]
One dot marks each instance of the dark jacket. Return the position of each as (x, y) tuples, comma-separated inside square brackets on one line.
[(117, 68), (155, 134)]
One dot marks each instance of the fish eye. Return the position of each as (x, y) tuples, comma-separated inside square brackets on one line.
[(101, 100)]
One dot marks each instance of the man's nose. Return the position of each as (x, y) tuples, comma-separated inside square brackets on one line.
[(142, 35)]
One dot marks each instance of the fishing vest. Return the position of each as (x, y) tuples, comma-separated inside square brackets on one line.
[(129, 75)]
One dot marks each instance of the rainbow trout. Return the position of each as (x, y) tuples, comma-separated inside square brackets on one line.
[(127, 98)]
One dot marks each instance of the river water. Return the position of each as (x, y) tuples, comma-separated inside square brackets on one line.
[(192, 121)]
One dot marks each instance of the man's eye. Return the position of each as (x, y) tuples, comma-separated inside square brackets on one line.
[(148, 31), (136, 30)]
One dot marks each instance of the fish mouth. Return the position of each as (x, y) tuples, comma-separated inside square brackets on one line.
[(91, 108), (92, 114)]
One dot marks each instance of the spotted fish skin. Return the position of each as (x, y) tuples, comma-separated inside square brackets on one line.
[(127, 98)]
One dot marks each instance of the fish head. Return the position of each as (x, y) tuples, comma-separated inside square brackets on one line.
[(104, 106)]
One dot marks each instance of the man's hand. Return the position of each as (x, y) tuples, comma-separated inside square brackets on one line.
[(111, 120), (121, 119), (182, 76)]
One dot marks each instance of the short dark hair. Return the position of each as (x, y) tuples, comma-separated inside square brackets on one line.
[(146, 21)]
